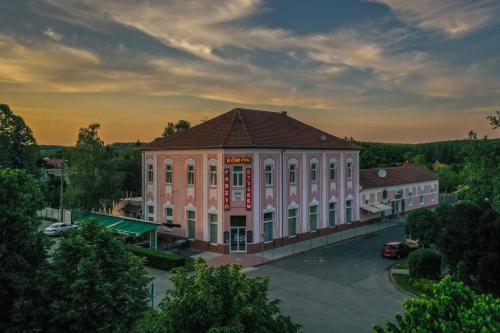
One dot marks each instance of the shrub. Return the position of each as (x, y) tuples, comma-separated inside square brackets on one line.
[(425, 263), (157, 259)]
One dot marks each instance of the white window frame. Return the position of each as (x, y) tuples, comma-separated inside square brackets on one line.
[(314, 172), (169, 169), (237, 175), (169, 217), (212, 169), (268, 174), (211, 223), (292, 173), (150, 172), (421, 199), (348, 208), (349, 170), (190, 174), (271, 221), (333, 171)]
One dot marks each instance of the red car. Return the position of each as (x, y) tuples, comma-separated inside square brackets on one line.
[(394, 250)]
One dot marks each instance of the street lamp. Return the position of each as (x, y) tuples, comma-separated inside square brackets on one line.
[(61, 200)]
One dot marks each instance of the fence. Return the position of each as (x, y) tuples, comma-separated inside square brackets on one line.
[(55, 213)]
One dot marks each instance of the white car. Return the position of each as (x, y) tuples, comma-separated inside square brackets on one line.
[(57, 229)]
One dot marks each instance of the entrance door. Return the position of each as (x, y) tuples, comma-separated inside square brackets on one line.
[(238, 234)]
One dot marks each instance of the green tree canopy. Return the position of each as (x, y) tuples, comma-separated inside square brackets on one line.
[(96, 285), (18, 148), (94, 180), (22, 247), (421, 224), (179, 126), (217, 299), (452, 308)]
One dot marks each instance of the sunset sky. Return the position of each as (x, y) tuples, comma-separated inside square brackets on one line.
[(376, 70)]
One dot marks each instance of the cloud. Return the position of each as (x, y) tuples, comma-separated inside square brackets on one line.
[(52, 34), (453, 18)]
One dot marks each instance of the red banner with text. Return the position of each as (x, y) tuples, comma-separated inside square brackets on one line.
[(248, 186), (227, 189)]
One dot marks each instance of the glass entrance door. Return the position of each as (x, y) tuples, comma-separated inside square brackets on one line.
[(238, 234)]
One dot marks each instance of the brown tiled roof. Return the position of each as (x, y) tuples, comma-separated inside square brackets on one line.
[(406, 174), (245, 128)]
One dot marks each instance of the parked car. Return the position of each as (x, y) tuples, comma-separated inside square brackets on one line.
[(57, 229), (395, 250)]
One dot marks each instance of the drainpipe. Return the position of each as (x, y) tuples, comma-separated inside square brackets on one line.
[(282, 196)]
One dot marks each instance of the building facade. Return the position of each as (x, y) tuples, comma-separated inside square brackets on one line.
[(397, 190), (249, 180)]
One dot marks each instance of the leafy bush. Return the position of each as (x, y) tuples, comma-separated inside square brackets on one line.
[(425, 263), (452, 307), (157, 259)]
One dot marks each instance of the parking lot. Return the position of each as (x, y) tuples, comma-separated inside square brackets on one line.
[(340, 288)]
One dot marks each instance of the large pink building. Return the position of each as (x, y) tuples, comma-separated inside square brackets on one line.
[(249, 180)]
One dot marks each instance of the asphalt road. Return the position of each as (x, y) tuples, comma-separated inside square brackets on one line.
[(340, 288)]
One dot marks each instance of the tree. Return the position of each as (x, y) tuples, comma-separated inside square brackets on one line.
[(179, 126), (96, 286), (421, 224), (452, 308), (217, 299), (18, 148), (494, 120), (128, 161), (448, 178), (94, 181), (22, 247)]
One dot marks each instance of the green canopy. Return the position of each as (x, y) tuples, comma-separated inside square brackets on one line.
[(120, 224)]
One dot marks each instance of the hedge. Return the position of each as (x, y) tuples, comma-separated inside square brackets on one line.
[(424, 264), (157, 259)]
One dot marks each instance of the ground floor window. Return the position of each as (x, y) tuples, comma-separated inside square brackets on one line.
[(191, 218), (313, 218), (212, 218), (169, 215), (332, 214), (268, 227), (292, 222), (348, 211), (421, 199)]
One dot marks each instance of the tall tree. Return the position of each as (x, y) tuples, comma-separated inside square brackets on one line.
[(22, 247), (494, 120), (217, 299), (96, 286), (18, 148), (179, 126), (94, 182)]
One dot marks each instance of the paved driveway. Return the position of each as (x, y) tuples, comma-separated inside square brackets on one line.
[(340, 288)]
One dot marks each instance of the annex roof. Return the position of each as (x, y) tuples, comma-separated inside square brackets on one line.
[(246, 128), (120, 224), (405, 174)]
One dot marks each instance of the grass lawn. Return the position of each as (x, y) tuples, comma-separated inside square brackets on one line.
[(403, 264), (414, 286)]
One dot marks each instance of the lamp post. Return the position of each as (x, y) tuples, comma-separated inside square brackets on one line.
[(61, 196)]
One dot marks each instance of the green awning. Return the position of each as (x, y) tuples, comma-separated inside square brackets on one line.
[(120, 224)]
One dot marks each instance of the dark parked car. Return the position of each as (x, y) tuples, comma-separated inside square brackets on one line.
[(395, 250)]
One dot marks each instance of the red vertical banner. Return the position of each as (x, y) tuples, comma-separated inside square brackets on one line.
[(227, 189), (248, 187)]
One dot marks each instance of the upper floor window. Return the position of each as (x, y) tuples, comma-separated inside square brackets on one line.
[(421, 199), (268, 171), (314, 172), (190, 174), (237, 176), (168, 173), (169, 215), (333, 171), (150, 172), (384, 194), (213, 175), (349, 170), (151, 209), (291, 173), (410, 199)]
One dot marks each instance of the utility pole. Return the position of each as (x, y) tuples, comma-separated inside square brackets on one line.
[(61, 201)]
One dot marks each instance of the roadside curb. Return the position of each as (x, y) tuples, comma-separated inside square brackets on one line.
[(391, 278)]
